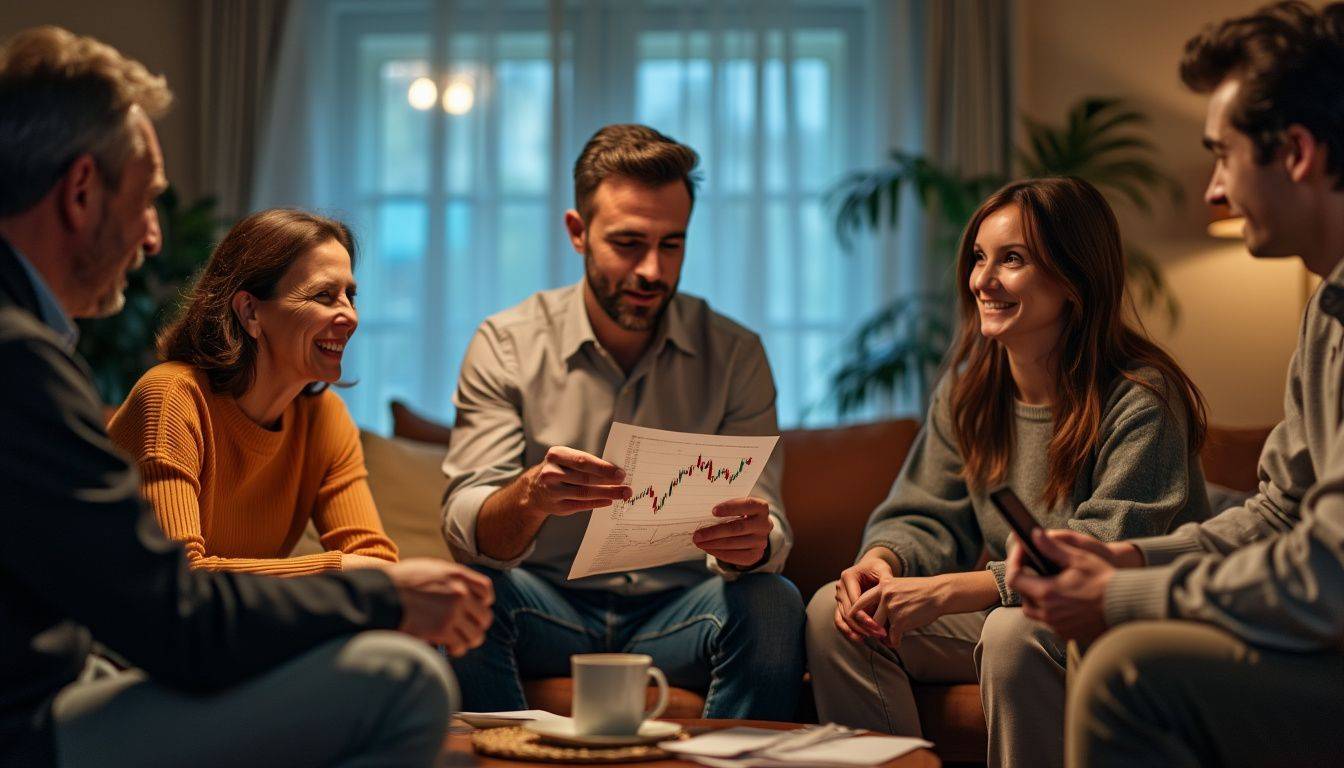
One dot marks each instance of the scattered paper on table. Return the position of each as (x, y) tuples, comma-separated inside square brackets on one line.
[(496, 719), (678, 478), (767, 748), (725, 743), (852, 751)]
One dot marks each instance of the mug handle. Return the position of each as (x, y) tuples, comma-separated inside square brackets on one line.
[(661, 680)]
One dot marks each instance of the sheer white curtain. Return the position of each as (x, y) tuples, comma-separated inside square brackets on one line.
[(444, 132), (240, 42)]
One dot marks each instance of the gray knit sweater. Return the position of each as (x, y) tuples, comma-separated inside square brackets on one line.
[(1140, 480)]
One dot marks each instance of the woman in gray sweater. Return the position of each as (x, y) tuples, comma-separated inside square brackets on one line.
[(1048, 390)]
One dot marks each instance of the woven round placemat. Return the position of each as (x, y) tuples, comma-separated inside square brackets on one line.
[(521, 744)]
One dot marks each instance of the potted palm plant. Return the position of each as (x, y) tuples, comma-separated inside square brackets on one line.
[(898, 349)]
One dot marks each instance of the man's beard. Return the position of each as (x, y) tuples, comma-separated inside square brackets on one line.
[(91, 266), (609, 297)]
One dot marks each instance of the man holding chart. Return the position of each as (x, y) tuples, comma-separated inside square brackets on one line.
[(540, 387)]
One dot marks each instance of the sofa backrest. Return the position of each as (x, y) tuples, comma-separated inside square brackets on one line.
[(833, 479), (1231, 455)]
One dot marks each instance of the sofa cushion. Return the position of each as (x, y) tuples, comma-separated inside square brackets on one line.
[(407, 483)]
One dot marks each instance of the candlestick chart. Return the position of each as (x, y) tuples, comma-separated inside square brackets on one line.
[(700, 465), (678, 479)]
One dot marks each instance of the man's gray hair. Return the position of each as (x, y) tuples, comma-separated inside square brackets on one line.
[(63, 96)]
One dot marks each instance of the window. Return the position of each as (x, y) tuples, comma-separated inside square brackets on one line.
[(451, 152)]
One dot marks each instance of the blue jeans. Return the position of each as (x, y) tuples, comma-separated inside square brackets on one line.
[(740, 642)]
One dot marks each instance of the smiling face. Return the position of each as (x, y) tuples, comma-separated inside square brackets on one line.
[(1018, 302), (1263, 193), (633, 248), (303, 329)]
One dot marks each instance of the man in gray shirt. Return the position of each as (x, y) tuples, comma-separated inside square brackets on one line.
[(1245, 667), (542, 383)]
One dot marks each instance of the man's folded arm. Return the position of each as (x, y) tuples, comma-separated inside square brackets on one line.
[(79, 535)]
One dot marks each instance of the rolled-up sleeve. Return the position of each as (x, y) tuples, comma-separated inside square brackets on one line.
[(752, 411), (486, 449)]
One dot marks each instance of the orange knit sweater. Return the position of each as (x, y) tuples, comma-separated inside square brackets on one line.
[(239, 496)]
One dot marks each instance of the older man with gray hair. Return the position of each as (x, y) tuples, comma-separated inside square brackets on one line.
[(233, 669)]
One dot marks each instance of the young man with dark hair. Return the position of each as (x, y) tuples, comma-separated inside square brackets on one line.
[(540, 386), (231, 668), (1227, 639)]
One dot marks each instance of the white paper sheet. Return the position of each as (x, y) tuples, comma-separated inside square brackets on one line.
[(518, 714), (728, 742), (765, 748), (677, 479), (497, 719), (852, 751)]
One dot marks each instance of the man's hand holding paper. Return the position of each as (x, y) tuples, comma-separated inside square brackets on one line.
[(690, 496), (570, 481), (739, 542)]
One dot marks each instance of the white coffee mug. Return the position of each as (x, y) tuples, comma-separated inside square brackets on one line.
[(609, 692)]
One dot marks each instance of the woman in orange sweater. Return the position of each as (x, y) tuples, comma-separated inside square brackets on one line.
[(239, 441)]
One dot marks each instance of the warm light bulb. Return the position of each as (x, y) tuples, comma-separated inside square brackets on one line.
[(458, 97), (422, 93)]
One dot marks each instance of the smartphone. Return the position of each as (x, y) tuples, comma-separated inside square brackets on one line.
[(1020, 520)]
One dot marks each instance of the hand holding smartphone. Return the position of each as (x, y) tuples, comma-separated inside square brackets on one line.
[(1015, 513)]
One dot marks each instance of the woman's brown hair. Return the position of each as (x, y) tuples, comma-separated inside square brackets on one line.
[(252, 257), (1073, 236)]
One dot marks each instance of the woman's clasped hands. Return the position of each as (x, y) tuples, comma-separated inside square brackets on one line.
[(874, 600)]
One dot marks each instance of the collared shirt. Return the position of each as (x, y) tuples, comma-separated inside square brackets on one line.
[(52, 314), (535, 377)]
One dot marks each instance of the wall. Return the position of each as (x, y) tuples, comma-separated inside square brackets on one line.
[(163, 34), (1240, 315)]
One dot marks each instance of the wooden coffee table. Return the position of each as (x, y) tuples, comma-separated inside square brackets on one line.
[(460, 752)]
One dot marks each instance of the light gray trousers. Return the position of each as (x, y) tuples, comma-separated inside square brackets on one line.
[(1019, 664), (1182, 694), (374, 699)]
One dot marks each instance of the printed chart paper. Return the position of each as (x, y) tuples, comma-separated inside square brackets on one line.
[(677, 478)]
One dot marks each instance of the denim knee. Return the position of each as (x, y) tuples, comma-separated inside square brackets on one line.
[(409, 669), (767, 598), (766, 609)]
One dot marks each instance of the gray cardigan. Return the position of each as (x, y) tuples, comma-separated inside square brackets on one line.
[(1141, 480)]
